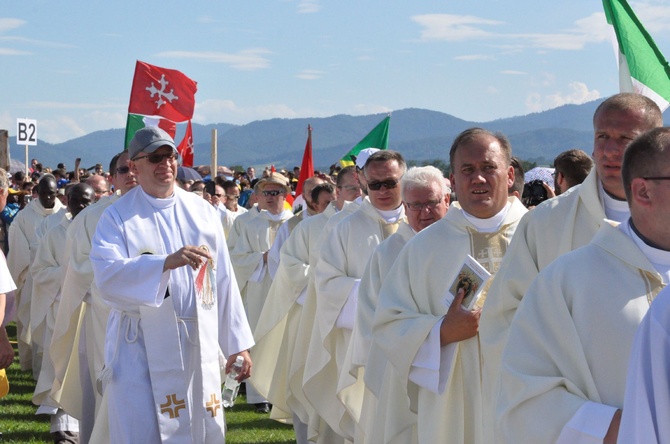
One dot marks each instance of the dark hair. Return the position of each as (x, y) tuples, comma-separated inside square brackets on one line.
[(472, 133), (386, 156), (113, 162), (644, 157), (320, 188), (574, 165), (344, 172)]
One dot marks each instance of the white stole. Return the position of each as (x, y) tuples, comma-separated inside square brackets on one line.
[(169, 380)]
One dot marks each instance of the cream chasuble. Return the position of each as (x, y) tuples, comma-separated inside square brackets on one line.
[(238, 224), (23, 240), (47, 270), (413, 301), (277, 327), (343, 257), (166, 329), (564, 366), (359, 397), (553, 228), (80, 327)]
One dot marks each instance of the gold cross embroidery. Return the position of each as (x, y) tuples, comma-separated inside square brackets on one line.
[(173, 405), (214, 405)]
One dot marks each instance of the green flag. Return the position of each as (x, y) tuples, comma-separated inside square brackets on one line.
[(642, 67), (377, 138), (138, 121)]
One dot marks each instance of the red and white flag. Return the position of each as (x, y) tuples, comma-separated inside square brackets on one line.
[(185, 148), (162, 92), (307, 166)]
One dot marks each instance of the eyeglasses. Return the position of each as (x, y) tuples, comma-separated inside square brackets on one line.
[(157, 158), (273, 193), (418, 206), (388, 184), (657, 178), (233, 196), (122, 170), (350, 187)]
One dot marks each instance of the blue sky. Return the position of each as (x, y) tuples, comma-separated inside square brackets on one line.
[(69, 64)]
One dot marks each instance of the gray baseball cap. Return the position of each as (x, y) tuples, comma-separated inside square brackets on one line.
[(149, 139)]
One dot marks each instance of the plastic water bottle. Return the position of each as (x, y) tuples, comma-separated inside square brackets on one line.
[(232, 385)]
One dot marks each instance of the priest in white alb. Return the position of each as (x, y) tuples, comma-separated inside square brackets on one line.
[(160, 261), (23, 240), (564, 366), (422, 329)]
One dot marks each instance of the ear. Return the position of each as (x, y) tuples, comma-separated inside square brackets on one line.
[(641, 193), (510, 177), (452, 179)]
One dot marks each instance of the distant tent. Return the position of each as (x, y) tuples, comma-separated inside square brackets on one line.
[(16, 165)]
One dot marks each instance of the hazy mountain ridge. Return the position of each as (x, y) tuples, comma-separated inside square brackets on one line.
[(417, 133)]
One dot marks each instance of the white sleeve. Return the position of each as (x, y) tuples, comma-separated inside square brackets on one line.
[(432, 363), (347, 316), (589, 425)]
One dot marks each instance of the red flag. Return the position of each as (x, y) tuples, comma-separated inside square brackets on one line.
[(162, 92), (273, 169), (185, 148), (307, 166)]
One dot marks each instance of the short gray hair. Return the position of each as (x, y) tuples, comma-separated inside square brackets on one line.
[(423, 177)]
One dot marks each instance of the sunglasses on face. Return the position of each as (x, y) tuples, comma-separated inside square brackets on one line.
[(272, 193), (158, 158), (388, 184), (122, 170)]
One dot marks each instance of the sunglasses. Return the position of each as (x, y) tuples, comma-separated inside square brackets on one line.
[(122, 170), (272, 193), (157, 158), (388, 184)]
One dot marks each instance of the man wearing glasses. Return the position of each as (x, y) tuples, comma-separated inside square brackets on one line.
[(160, 261), (80, 295), (250, 257), (344, 254)]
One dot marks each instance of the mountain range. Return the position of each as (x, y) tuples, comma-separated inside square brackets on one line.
[(419, 134)]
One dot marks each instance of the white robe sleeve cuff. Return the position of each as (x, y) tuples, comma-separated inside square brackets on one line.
[(432, 363), (347, 316), (589, 425), (259, 272)]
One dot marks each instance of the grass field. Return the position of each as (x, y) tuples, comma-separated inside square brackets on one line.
[(19, 424)]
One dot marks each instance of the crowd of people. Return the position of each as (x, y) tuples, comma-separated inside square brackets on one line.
[(135, 290)]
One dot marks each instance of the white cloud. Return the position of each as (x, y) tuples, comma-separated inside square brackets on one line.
[(11, 52), (654, 17), (308, 6), (447, 27), (511, 72), (369, 108), (451, 27), (245, 60), (578, 93), (215, 111), (7, 24), (310, 74), (473, 57), (68, 105)]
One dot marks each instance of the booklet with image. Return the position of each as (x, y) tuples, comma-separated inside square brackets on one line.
[(470, 280)]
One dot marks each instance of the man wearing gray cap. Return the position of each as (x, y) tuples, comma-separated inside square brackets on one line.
[(160, 261)]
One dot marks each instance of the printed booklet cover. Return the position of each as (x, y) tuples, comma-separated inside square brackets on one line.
[(470, 280)]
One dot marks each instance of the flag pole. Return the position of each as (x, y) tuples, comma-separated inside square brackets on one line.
[(213, 168)]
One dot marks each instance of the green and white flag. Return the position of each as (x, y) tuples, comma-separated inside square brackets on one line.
[(377, 138), (642, 67), (138, 121)]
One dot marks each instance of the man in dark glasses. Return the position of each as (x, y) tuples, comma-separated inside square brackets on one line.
[(250, 256), (160, 262), (342, 260)]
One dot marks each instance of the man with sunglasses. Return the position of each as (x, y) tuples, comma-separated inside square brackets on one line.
[(81, 300), (344, 254), (428, 337), (250, 257), (160, 262)]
